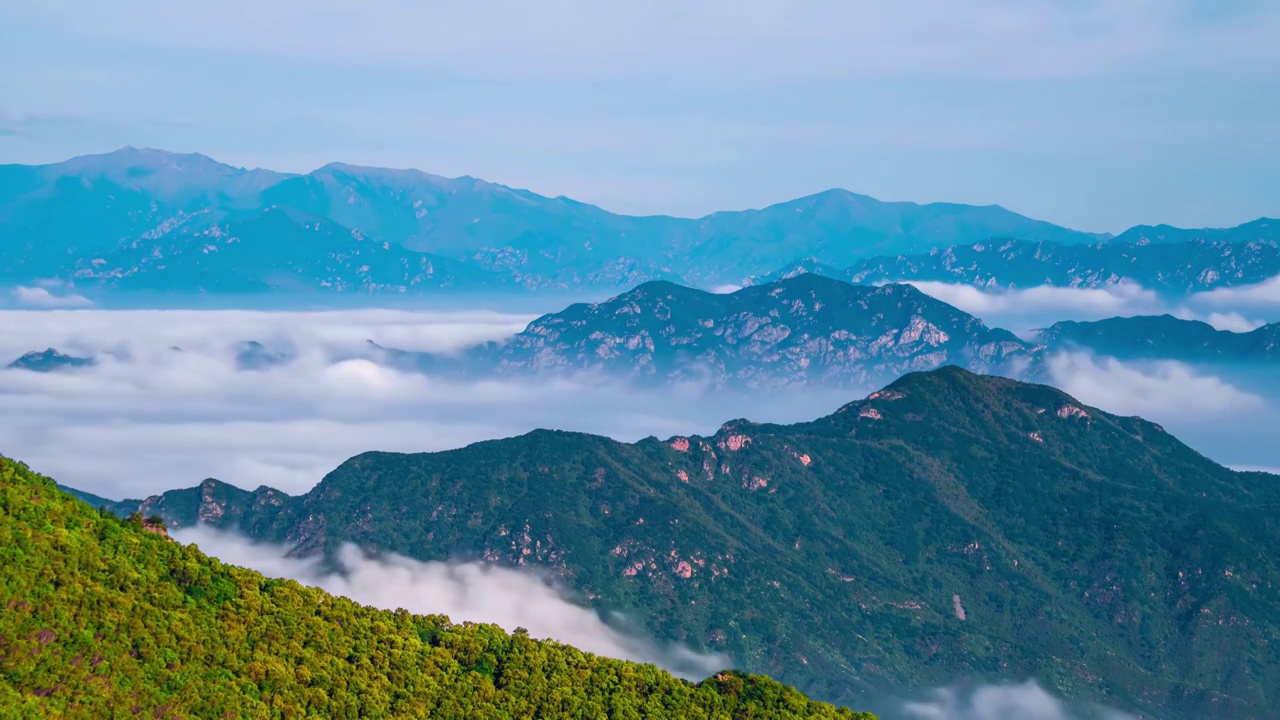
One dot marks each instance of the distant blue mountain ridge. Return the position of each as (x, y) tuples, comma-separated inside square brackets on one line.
[(142, 219), (1173, 263)]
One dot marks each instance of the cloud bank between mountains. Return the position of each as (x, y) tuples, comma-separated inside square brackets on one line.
[(149, 417), (517, 598), (1237, 309), (465, 592)]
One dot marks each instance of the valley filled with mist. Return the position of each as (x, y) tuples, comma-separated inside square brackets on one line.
[(170, 391)]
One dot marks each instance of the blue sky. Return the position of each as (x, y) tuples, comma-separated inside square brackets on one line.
[(1097, 114)]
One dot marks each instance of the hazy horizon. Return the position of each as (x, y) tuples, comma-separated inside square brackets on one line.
[(1098, 116)]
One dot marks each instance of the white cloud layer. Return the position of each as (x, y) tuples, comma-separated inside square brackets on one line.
[(1164, 389), (1125, 298), (147, 418), (1262, 294), (1026, 701), (1230, 321), (1236, 309), (39, 297), (463, 592)]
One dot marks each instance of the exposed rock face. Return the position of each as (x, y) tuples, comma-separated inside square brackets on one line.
[(149, 219), (271, 249), (943, 528), (158, 528), (806, 329), (1188, 262)]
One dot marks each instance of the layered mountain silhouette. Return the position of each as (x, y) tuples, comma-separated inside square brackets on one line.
[(951, 524), (1173, 262), (1165, 337), (147, 219), (804, 330)]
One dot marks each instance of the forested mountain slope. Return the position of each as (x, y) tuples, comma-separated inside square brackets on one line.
[(108, 618), (949, 525)]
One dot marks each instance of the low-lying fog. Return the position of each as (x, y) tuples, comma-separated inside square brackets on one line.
[(513, 599), (150, 417), (167, 406), (1236, 309)]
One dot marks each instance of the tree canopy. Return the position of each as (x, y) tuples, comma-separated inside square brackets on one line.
[(108, 617)]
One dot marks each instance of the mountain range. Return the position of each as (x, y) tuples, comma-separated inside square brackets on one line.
[(1175, 263), (806, 329), (110, 618), (140, 219), (950, 524), (1165, 337)]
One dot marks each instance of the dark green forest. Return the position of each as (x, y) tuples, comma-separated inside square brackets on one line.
[(951, 526), (107, 617)]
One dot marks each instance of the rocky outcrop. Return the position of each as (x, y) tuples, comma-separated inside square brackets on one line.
[(803, 330)]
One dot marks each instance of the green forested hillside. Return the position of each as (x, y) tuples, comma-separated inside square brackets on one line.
[(104, 618), (951, 525)]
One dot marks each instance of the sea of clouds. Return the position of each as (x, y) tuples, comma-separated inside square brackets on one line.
[(167, 406), (149, 417)]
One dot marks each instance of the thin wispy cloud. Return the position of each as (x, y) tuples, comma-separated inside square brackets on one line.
[(1264, 294), (1064, 302), (709, 37), (1161, 389), (1271, 470), (39, 297), (1023, 701), (511, 599), (1230, 321)]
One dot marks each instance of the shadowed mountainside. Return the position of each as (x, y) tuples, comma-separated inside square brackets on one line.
[(949, 525), (107, 617)]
